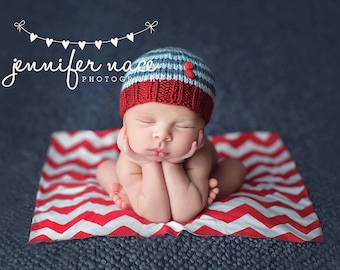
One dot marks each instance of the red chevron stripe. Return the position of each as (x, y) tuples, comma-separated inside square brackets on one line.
[(98, 133), (123, 231), (246, 136), (291, 237), (251, 232), (86, 144), (301, 212), (40, 238), (318, 238), (40, 202), (250, 153), (81, 235), (71, 174), (298, 183), (206, 230), (292, 197), (79, 162), (52, 187), (69, 209), (252, 167), (284, 176)]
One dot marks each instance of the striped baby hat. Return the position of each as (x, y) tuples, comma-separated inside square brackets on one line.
[(170, 76)]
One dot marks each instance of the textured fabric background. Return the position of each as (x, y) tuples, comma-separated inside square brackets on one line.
[(277, 68)]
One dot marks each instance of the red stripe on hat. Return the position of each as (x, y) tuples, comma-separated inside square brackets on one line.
[(170, 92)]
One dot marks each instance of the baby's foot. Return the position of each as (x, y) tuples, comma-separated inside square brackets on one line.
[(213, 190), (118, 198)]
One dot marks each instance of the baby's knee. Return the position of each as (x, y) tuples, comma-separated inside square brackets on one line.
[(106, 167), (238, 164), (235, 169)]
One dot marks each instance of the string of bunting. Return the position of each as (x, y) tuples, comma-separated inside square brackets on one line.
[(82, 43)]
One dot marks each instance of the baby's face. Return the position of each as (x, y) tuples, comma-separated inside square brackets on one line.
[(159, 131)]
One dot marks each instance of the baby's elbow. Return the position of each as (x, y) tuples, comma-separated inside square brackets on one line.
[(184, 216), (155, 217), (162, 219)]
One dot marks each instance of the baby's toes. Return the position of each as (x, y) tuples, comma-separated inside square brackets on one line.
[(115, 187), (125, 205)]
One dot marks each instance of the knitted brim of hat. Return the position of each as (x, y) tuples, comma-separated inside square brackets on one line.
[(178, 78), (169, 92)]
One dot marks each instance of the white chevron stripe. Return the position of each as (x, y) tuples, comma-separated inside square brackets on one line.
[(70, 202), (247, 147), (66, 190), (282, 169), (270, 198), (229, 136), (262, 135), (68, 141), (63, 219), (253, 159), (277, 179), (65, 179), (265, 186), (67, 168), (81, 153)]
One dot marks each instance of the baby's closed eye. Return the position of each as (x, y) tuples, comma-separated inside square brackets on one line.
[(146, 120), (184, 125)]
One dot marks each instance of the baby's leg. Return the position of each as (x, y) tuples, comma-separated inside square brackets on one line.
[(107, 178), (230, 175)]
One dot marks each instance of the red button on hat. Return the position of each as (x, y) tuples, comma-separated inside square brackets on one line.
[(190, 74), (189, 70), (188, 65)]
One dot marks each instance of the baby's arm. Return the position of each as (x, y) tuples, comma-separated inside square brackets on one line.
[(188, 185), (144, 185)]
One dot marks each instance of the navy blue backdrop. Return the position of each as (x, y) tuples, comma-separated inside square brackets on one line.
[(277, 67)]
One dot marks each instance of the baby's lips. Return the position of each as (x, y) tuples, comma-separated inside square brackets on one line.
[(159, 152)]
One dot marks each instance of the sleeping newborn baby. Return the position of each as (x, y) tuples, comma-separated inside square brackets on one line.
[(167, 168)]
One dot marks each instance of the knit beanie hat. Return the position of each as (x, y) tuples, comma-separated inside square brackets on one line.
[(169, 76)]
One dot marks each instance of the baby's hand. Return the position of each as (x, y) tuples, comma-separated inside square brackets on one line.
[(194, 147), (123, 145)]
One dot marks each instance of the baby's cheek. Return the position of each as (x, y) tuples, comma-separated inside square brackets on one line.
[(134, 145), (184, 144)]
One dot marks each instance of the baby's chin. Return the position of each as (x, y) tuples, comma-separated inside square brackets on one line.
[(156, 159)]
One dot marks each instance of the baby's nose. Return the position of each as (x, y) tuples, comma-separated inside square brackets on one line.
[(162, 135)]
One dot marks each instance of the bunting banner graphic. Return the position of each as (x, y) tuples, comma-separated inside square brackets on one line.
[(82, 43), (272, 203)]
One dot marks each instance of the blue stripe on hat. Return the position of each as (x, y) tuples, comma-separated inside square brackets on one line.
[(170, 66)]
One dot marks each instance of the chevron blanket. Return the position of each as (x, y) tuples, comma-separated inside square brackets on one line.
[(273, 202)]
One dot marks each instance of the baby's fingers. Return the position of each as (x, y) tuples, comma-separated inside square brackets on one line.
[(201, 139), (192, 150), (122, 139)]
